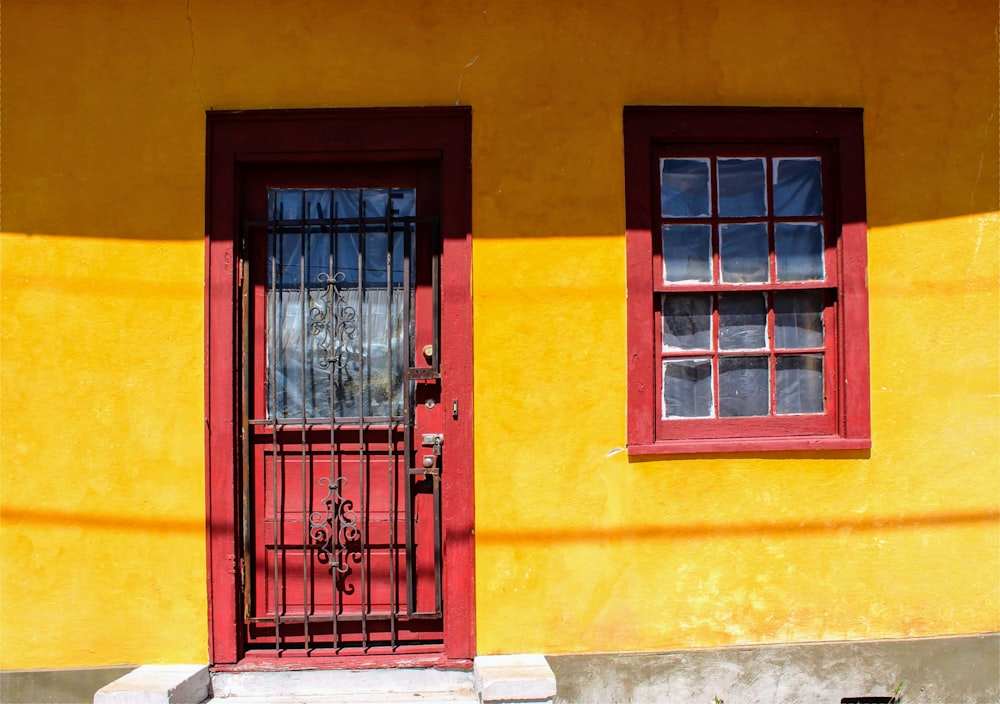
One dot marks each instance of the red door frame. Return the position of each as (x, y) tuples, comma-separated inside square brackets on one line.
[(237, 139)]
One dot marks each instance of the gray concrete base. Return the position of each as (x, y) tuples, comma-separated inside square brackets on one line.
[(505, 679), (68, 686), (158, 684), (954, 670)]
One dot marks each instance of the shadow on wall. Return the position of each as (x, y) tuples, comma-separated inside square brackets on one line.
[(107, 522), (692, 531), (543, 536)]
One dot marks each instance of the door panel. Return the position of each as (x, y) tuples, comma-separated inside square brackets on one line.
[(341, 409)]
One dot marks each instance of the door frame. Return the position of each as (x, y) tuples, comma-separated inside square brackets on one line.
[(236, 140)]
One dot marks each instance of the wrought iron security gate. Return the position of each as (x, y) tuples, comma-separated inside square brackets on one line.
[(341, 423)]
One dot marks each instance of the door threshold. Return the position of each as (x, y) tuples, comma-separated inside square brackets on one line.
[(275, 662)]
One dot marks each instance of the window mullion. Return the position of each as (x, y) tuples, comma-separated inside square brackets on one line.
[(713, 200), (772, 277), (772, 359), (716, 331)]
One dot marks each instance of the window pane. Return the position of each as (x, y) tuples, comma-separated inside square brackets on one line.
[(798, 189), (332, 342), (687, 322), (742, 321), (741, 187), (687, 253), (743, 386), (798, 319), (744, 253), (687, 388), (684, 188), (285, 204), (800, 384), (317, 203), (798, 248), (349, 204), (295, 249)]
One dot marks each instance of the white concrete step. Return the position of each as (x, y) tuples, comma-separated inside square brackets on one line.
[(389, 686), (495, 679), (468, 697)]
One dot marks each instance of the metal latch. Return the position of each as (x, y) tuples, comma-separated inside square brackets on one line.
[(433, 441)]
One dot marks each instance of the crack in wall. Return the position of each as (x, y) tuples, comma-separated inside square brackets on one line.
[(461, 75)]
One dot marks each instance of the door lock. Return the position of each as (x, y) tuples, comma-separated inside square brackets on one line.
[(433, 441)]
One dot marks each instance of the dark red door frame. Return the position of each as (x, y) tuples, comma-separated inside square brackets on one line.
[(237, 140)]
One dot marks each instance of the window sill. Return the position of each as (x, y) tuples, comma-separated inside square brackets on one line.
[(785, 443)]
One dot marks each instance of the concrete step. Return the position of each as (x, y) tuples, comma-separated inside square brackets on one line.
[(495, 679), (369, 698), (390, 686)]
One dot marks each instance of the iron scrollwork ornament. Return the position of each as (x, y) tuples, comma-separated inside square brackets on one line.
[(334, 321), (335, 530)]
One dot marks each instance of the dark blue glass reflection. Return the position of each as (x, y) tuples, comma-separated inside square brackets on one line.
[(798, 187), (684, 188), (741, 188)]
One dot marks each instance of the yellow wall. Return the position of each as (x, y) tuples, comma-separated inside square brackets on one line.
[(577, 547)]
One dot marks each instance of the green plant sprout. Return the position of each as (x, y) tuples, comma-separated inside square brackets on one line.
[(897, 694)]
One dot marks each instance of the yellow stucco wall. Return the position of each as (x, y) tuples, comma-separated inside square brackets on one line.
[(578, 548)]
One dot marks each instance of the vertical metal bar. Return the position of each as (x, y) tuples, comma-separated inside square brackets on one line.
[(408, 440), (246, 377), (362, 400), (304, 359), (438, 598), (273, 358), (436, 302), (436, 246), (390, 454), (331, 287)]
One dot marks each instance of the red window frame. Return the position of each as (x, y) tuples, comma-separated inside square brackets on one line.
[(836, 136)]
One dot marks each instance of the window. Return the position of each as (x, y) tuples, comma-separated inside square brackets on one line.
[(747, 298)]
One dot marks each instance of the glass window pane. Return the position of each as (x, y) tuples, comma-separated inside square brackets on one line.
[(798, 188), (684, 188), (687, 253), (687, 388), (800, 383), (404, 202), (798, 319), (744, 253), (284, 203), (743, 386), (741, 187), (285, 257), (798, 248), (347, 203), (327, 337), (687, 322), (742, 321), (295, 248), (318, 203), (376, 200)]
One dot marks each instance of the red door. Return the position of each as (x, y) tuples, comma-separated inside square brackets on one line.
[(339, 387), (342, 430)]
